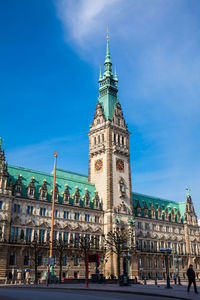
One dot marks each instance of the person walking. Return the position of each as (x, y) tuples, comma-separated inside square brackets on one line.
[(191, 279)]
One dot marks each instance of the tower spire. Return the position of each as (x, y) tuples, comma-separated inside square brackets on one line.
[(107, 63)]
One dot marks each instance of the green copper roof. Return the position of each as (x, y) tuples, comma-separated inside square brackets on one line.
[(163, 203), (108, 87), (108, 103), (73, 180)]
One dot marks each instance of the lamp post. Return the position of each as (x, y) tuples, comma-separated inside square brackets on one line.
[(166, 252), (131, 222), (52, 219), (177, 260)]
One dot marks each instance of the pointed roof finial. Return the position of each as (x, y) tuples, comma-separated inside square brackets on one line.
[(107, 48), (107, 33), (188, 190), (1, 140)]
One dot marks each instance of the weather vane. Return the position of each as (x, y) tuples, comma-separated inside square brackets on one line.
[(107, 33)]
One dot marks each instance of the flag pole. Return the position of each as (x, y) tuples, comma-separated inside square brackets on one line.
[(53, 206)]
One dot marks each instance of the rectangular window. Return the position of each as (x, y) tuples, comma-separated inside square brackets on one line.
[(87, 218), (26, 260), (39, 260), (66, 215), (76, 240), (29, 210), (76, 216), (96, 219), (0, 204), (41, 236), (64, 260), (146, 226), (65, 236), (139, 225), (56, 213), (42, 211), (28, 234), (12, 261), (16, 208), (76, 261), (14, 234), (54, 235), (96, 242), (87, 238)]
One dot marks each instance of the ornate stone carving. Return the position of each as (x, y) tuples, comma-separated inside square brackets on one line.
[(31, 189), (43, 191), (18, 186)]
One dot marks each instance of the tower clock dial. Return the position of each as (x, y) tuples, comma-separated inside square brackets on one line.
[(120, 164), (98, 164)]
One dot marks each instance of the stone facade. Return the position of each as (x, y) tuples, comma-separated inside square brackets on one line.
[(92, 206)]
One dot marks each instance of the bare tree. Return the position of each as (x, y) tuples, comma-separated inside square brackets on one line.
[(36, 248), (117, 242), (61, 247)]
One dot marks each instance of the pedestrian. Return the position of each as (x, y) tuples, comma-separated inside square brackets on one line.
[(174, 278), (191, 279)]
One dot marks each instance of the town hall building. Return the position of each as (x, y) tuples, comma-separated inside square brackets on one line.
[(93, 205)]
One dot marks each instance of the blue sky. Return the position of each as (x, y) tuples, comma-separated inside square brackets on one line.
[(50, 53)]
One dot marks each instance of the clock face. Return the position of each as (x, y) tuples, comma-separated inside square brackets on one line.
[(98, 164), (120, 164)]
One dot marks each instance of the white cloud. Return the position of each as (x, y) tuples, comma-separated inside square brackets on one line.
[(83, 19), (156, 46)]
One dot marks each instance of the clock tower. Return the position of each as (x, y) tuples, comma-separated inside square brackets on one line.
[(109, 158)]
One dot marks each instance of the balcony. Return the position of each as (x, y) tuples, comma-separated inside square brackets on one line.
[(97, 149)]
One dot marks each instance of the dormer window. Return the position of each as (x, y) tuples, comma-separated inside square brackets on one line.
[(98, 121), (18, 189), (18, 186), (77, 197), (87, 198), (97, 202), (43, 191), (118, 122), (31, 189), (66, 195)]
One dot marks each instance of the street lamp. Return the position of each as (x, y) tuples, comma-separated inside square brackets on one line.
[(166, 252), (178, 260)]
